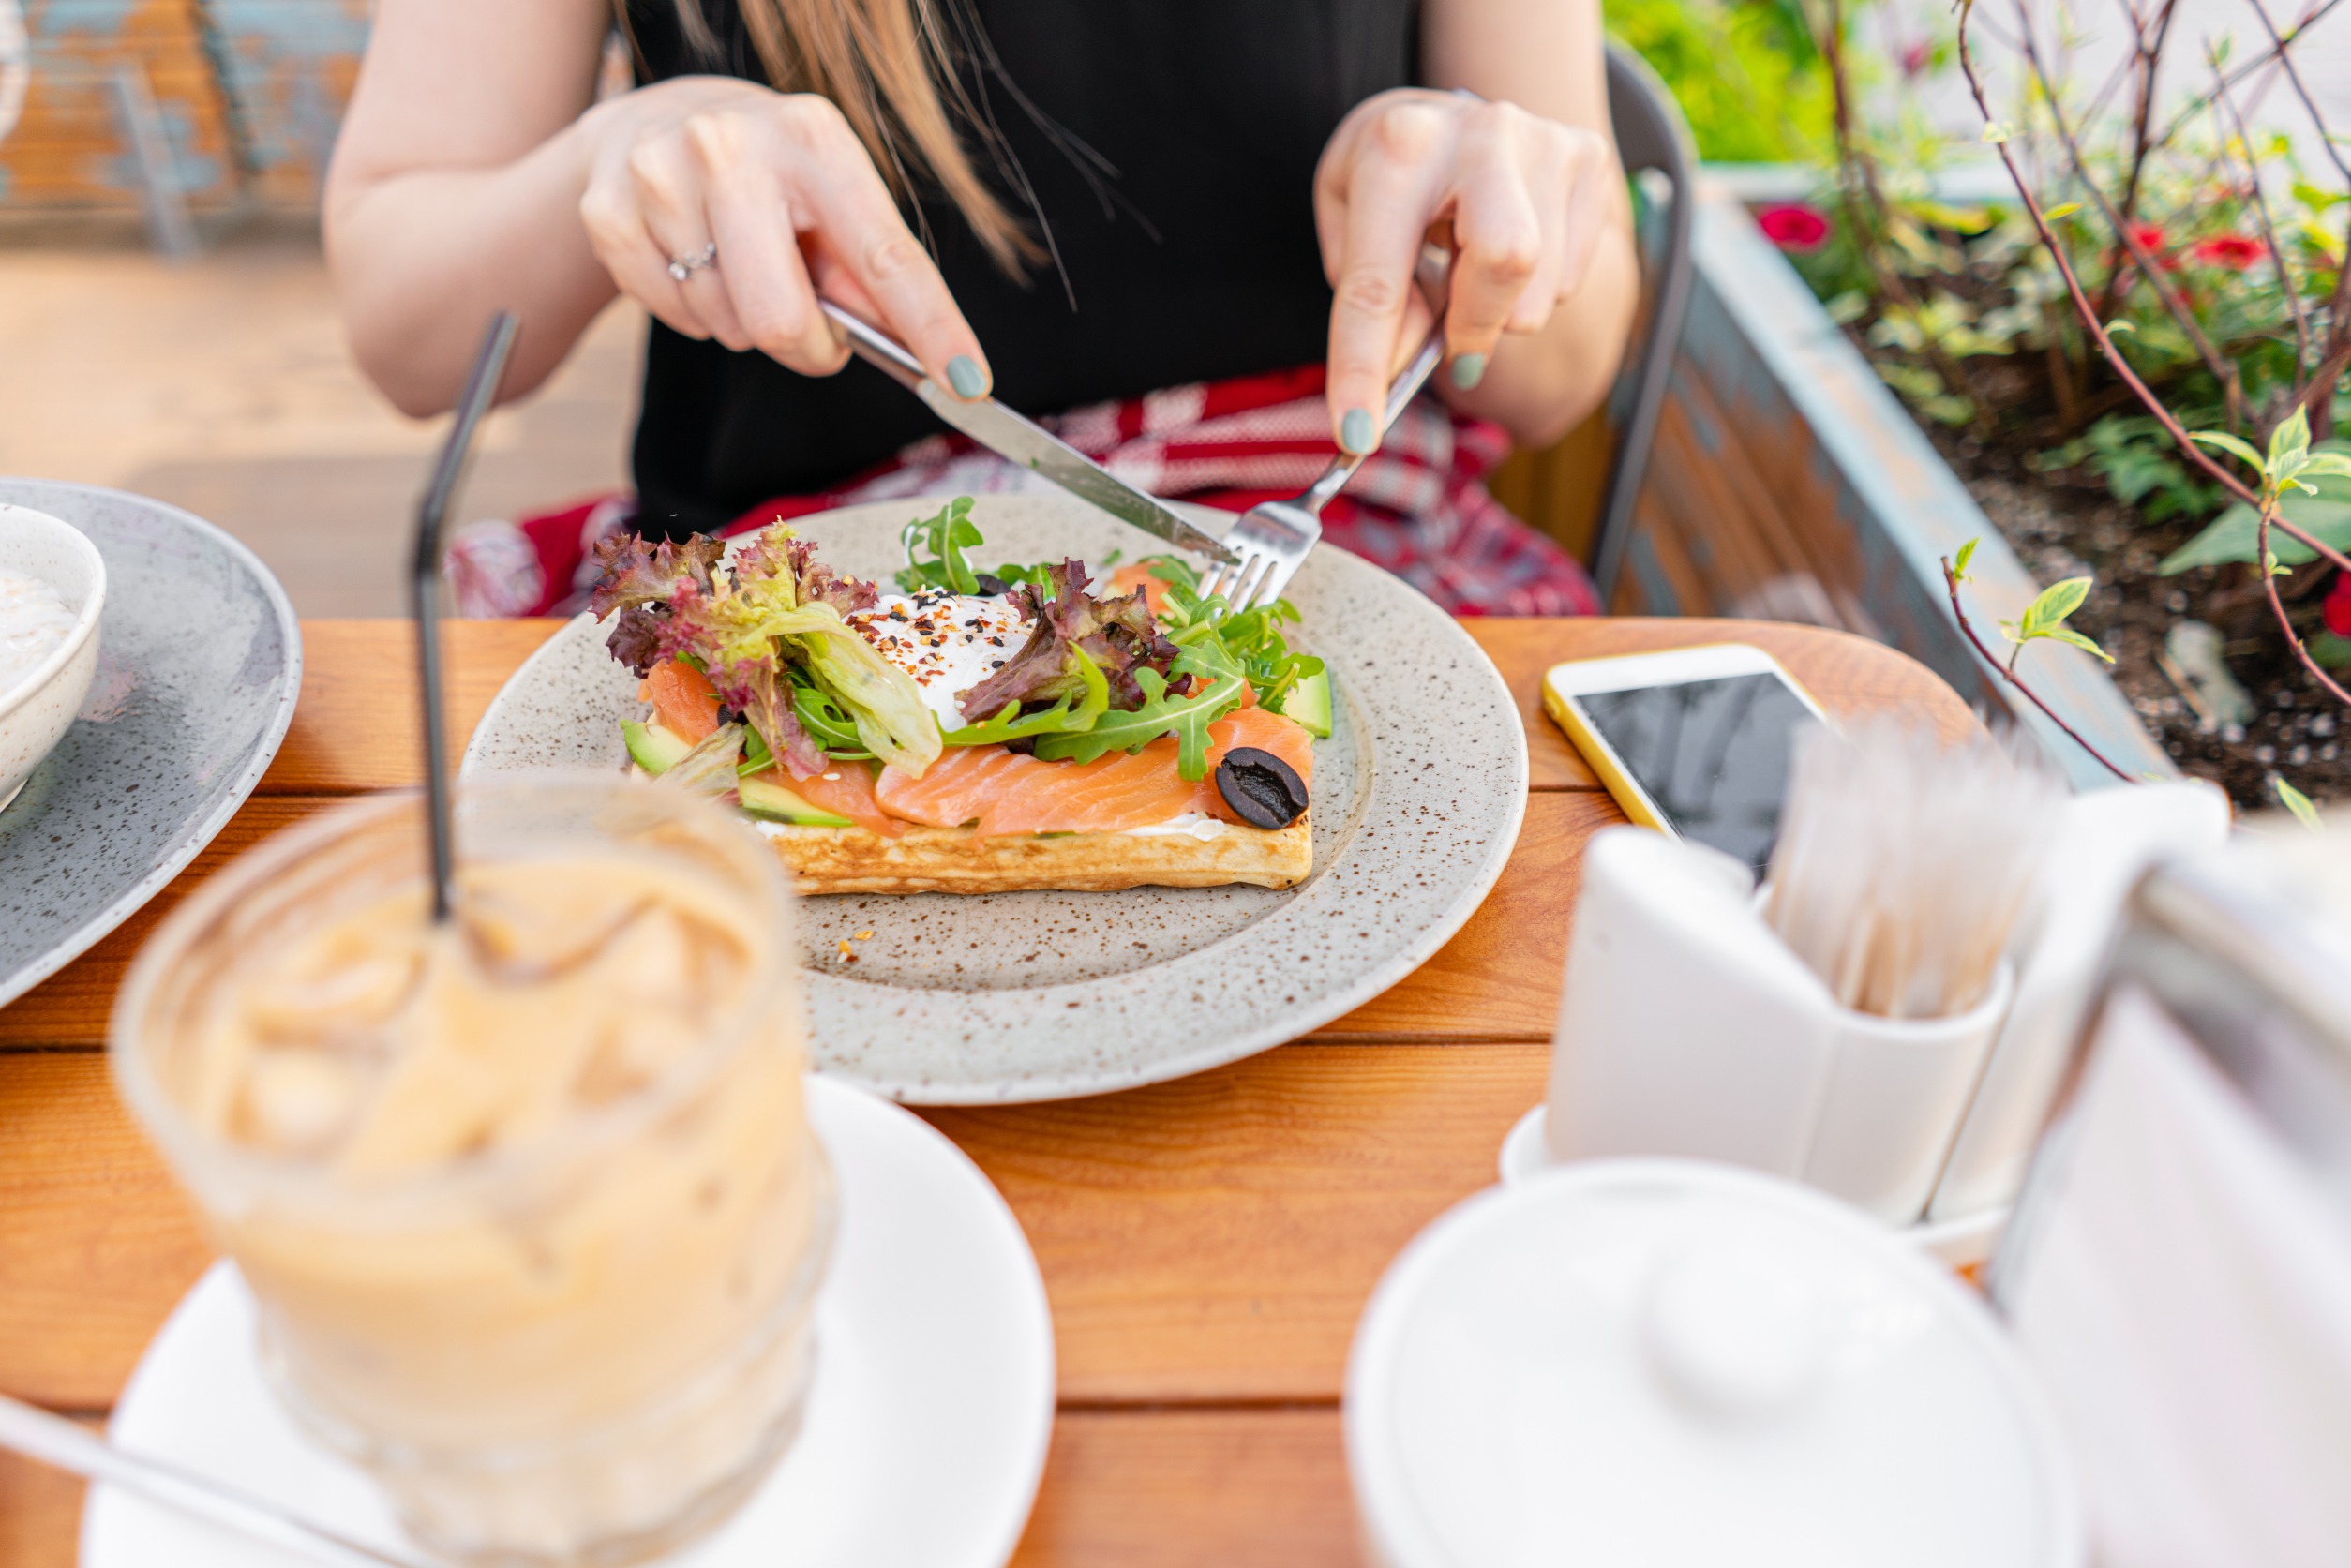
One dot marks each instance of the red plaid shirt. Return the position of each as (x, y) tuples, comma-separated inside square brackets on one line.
[(1417, 506)]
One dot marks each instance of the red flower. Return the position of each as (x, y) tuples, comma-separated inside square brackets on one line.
[(1793, 227), (2234, 252), (2337, 608), (2150, 238)]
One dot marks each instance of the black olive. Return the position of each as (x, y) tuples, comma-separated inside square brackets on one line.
[(1266, 791), (990, 586)]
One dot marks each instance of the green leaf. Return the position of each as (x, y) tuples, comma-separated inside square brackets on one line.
[(2288, 443), (2328, 465), (1996, 132), (1186, 718), (2295, 801), (2065, 209), (2231, 537), (1959, 562), (2234, 446), (2067, 634), (2045, 614), (1070, 715), (945, 537)]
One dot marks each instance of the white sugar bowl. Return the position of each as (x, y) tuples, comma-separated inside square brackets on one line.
[(43, 676), (1667, 1363)]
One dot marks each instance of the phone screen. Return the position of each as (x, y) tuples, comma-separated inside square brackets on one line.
[(1712, 755)]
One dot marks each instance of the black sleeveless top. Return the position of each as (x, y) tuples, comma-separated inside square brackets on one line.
[(1201, 263)]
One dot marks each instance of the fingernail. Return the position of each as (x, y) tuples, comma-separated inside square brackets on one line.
[(1469, 370), (1354, 430), (963, 374)]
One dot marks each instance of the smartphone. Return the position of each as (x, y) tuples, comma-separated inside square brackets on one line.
[(1692, 741)]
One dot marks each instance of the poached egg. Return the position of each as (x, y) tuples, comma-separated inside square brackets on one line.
[(947, 643)]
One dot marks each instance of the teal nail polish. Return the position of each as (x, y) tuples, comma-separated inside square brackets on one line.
[(1354, 430), (1469, 370), (963, 374)]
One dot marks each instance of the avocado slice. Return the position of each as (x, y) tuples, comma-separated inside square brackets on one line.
[(1308, 703), (764, 797), (652, 748)]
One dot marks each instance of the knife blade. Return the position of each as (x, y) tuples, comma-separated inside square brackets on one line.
[(1024, 442)]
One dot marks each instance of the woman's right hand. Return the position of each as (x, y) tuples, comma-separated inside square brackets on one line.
[(782, 186)]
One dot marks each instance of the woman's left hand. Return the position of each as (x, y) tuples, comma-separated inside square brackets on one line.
[(1527, 201)]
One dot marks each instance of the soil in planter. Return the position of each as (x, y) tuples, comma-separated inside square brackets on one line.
[(2065, 523)]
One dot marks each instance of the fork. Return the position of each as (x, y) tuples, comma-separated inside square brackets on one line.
[(1273, 538)]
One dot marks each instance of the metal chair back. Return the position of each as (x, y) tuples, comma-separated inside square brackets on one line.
[(1650, 135)]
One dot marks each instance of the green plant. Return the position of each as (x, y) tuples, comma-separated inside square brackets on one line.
[(2045, 617), (1749, 81)]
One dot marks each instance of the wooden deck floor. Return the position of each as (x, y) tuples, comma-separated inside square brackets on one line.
[(224, 387)]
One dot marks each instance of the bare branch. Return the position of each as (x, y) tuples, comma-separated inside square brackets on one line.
[(2283, 49), (2227, 106), (2259, 62), (2092, 321), (2223, 369), (2285, 622)]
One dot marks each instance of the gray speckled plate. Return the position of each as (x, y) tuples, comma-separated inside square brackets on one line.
[(200, 660), (1418, 795)]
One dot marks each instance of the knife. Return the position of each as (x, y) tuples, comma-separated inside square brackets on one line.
[(1023, 441)]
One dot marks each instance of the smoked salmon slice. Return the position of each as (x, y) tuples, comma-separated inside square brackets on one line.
[(684, 702), (844, 789), (1004, 792)]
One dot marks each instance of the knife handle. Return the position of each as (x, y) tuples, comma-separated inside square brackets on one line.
[(876, 348)]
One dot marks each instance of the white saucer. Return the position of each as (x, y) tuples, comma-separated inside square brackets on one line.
[(1962, 1243), (925, 1433)]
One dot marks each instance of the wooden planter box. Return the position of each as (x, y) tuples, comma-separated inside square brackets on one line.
[(1789, 484)]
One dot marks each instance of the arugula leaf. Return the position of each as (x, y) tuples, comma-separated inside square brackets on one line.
[(1072, 715), (822, 717), (1186, 718), (945, 537)]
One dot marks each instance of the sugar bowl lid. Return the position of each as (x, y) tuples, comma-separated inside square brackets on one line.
[(1667, 1363)]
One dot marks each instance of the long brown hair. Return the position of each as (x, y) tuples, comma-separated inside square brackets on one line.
[(890, 67)]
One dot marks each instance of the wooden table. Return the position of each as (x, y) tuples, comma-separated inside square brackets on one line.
[(1207, 1244)]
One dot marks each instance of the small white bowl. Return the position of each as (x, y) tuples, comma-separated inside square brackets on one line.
[(37, 710)]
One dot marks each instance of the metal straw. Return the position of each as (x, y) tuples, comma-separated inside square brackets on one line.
[(481, 390), (55, 1440)]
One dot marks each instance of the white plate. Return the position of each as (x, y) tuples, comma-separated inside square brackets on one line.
[(200, 660), (1418, 796), (926, 1427)]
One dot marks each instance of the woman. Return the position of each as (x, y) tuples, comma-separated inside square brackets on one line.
[(1069, 203)]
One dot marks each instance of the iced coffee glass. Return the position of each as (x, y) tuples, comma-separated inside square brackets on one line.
[(528, 1200)]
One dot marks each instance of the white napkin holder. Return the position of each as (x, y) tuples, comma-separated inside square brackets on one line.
[(1687, 1029)]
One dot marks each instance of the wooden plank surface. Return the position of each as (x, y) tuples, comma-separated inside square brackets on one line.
[(357, 728), (1206, 1245), (1207, 1240)]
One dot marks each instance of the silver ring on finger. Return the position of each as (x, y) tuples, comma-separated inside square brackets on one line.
[(683, 267)]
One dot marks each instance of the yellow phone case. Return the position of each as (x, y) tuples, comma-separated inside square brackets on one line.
[(1601, 756)]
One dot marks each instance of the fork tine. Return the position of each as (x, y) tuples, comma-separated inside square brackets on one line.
[(1252, 571), (1270, 582), (1218, 570)]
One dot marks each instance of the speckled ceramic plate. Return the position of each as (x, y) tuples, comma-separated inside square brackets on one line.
[(1418, 795), (199, 662)]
